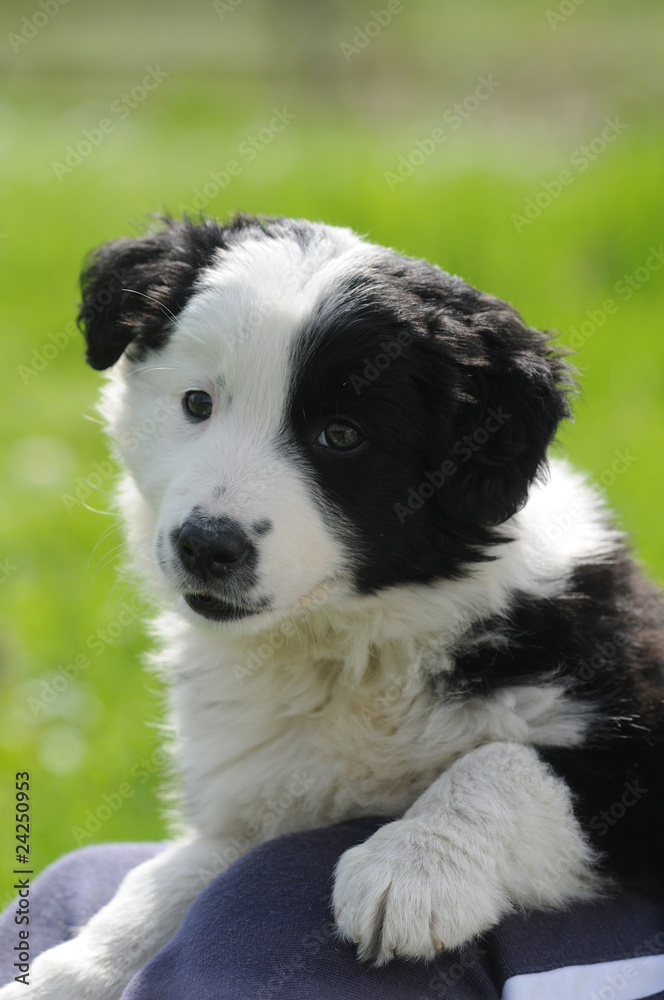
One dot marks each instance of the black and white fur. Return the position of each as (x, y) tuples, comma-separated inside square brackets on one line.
[(484, 664)]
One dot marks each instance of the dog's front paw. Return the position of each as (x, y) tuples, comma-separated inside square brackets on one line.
[(410, 892)]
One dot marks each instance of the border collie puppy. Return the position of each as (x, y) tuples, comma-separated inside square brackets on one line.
[(380, 598)]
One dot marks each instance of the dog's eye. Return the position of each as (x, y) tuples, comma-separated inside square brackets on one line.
[(197, 404), (340, 437)]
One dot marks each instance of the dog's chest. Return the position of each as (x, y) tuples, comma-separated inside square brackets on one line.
[(299, 742)]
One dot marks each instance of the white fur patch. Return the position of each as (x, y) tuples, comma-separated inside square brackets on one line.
[(495, 831)]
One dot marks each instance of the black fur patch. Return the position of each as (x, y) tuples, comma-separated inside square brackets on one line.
[(457, 399), (603, 638), (134, 288)]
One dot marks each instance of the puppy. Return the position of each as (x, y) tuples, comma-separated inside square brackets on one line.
[(380, 598)]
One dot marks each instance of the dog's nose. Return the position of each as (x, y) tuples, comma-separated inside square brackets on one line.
[(212, 548)]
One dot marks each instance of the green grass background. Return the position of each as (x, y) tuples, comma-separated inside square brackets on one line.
[(354, 119)]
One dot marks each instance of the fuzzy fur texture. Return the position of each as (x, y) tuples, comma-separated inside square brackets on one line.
[(379, 597)]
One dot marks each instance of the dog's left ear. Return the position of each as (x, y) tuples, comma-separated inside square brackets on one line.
[(133, 289), (510, 386)]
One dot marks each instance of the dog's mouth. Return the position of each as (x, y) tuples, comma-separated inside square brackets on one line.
[(221, 611)]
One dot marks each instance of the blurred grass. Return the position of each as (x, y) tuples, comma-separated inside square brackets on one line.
[(353, 121)]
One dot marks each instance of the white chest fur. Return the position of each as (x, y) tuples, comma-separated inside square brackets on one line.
[(280, 734)]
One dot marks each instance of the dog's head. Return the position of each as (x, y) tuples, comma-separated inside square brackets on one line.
[(307, 417)]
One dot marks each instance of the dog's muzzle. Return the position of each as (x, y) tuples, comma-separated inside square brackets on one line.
[(219, 559)]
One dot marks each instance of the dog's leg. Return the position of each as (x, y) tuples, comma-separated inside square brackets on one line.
[(495, 831), (143, 915)]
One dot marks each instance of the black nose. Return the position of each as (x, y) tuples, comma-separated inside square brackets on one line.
[(212, 548)]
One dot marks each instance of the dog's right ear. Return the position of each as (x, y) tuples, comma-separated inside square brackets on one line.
[(133, 289)]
